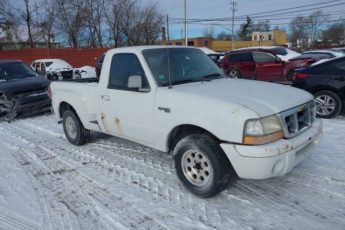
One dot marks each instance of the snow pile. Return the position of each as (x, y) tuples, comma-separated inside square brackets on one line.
[(86, 71), (47, 183)]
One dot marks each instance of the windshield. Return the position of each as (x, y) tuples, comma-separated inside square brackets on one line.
[(180, 65), (16, 70), (280, 51), (48, 63)]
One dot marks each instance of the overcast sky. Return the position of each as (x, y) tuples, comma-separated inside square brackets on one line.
[(206, 9)]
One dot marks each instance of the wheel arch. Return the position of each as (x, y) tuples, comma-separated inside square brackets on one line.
[(183, 130), (66, 106), (326, 87)]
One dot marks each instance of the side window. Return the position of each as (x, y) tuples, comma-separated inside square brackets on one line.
[(43, 67), (38, 66), (101, 59), (264, 57), (122, 67), (241, 57)]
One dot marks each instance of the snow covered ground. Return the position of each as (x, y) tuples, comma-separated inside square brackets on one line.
[(46, 183)]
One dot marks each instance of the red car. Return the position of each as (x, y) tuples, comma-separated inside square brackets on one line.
[(253, 64), (302, 61)]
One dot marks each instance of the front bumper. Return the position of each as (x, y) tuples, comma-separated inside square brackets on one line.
[(26, 104), (274, 159)]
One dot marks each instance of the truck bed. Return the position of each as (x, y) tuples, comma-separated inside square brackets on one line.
[(81, 80), (81, 94)]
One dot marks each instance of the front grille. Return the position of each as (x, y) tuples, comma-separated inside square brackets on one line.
[(67, 74), (298, 119)]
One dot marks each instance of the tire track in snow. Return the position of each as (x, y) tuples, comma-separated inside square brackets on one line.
[(73, 190), (162, 185)]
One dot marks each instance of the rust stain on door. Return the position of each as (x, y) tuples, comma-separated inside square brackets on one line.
[(118, 125), (103, 122)]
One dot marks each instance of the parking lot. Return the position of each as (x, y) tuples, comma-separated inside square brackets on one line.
[(46, 183)]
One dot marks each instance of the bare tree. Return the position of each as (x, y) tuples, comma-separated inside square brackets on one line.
[(46, 20), (313, 24), (151, 24), (299, 31), (335, 34), (27, 16), (72, 15), (113, 13), (94, 17)]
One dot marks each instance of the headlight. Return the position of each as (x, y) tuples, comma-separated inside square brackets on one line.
[(262, 131)]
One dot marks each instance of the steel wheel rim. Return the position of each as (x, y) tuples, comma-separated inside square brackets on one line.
[(233, 73), (71, 127), (325, 105), (196, 167)]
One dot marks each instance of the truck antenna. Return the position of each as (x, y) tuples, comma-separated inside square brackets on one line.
[(169, 72)]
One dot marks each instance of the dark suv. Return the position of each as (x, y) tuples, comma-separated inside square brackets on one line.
[(253, 64)]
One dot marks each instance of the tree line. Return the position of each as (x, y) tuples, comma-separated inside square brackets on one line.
[(82, 23), (305, 32)]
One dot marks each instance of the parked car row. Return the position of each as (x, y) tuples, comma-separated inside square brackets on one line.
[(326, 81), (56, 69), (271, 63)]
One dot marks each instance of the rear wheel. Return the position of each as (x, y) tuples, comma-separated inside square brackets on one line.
[(328, 104), (201, 165), (74, 129), (234, 73)]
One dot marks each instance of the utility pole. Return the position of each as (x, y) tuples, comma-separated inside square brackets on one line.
[(233, 9), (185, 23), (168, 37)]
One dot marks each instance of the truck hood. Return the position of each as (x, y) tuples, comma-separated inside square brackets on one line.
[(261, 97), (24, 85)]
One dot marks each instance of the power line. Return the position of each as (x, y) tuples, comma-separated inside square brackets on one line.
[(286, 23), (270, 13), (296, 7), (282, 18)]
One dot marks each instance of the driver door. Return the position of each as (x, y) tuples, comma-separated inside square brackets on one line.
[(128, 112), (268, 67)]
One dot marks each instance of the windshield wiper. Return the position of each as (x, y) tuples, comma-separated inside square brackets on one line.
[(212, 76), (186, 81)]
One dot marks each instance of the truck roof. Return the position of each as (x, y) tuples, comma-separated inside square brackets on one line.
[(141, 48)]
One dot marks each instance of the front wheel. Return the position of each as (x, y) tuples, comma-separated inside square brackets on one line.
[(74, 130), (201, 165), (328, 104)]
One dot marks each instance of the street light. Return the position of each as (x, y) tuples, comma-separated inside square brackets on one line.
[(185, 23)]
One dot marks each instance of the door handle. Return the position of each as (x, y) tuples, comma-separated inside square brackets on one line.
[(106, 97), (342, 78)]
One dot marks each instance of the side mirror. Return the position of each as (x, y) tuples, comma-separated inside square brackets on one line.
[(135, 82), (278, 60)]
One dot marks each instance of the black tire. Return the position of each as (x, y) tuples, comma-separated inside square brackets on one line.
[(290, 75), (219, 168), (324, 111), (234, 73), (81, 134)]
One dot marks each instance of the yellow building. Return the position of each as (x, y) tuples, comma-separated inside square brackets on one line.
[(272, 38)]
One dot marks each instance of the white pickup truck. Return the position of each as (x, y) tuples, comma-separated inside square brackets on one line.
[(175, 99)]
